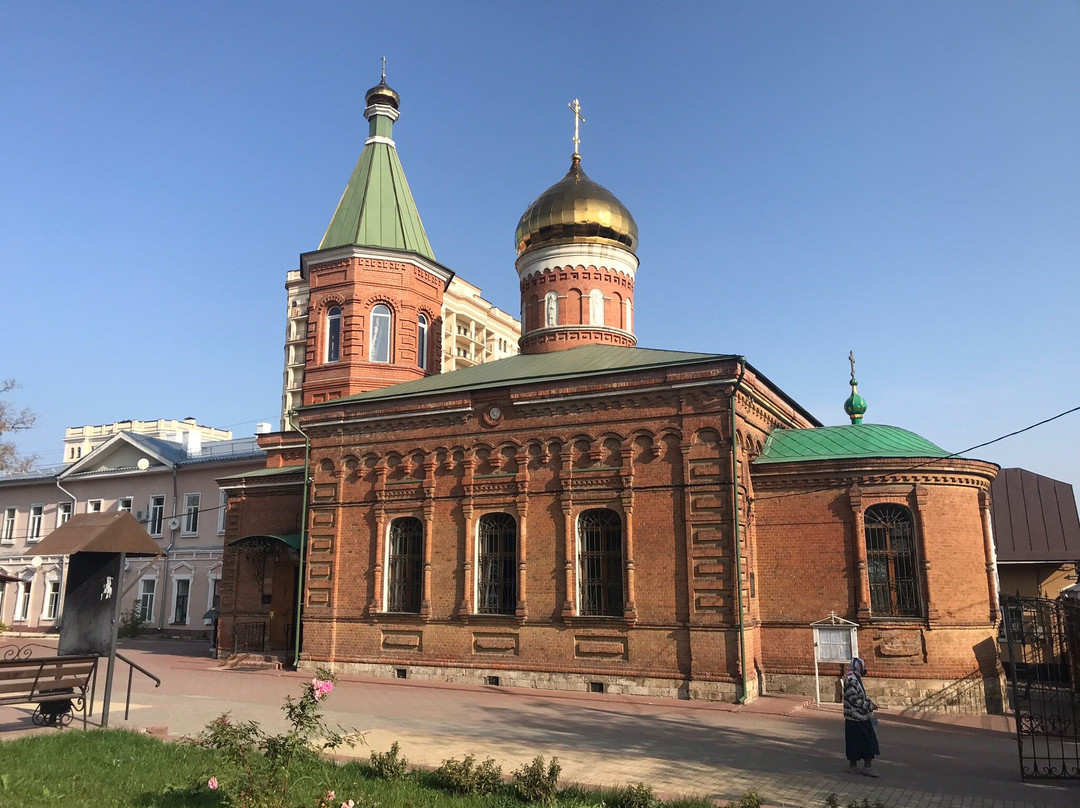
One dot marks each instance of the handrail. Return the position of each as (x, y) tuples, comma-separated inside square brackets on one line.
[(132, 667)]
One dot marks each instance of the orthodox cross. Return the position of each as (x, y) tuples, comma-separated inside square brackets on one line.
[(578, 118), (851, 359), (384, 68)]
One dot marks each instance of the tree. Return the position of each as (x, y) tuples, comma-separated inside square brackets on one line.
[(13, 421)]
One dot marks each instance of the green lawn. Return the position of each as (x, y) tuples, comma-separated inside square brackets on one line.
[(115, 769)]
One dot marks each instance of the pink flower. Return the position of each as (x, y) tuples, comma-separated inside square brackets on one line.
[(213, 783), (349, 804), (320, 688), (329, 796)]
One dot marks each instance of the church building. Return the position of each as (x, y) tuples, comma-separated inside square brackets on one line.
[(589, 514)]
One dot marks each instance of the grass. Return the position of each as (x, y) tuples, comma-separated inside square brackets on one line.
[(118, 769)]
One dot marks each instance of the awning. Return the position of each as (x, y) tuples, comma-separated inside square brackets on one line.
[(260, 539), (8, 579), (117, 532)]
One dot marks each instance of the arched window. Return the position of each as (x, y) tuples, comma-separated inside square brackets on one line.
[(496, 589), (421, 341), (380, 334), (891, 563), (551, 309), (600, 563), (333, 334), (404, 567)]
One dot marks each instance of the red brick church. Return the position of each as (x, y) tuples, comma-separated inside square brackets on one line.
[(588, 515)]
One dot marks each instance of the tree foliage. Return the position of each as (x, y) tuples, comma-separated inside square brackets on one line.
[(12, 420)]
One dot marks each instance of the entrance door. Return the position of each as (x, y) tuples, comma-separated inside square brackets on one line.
[(283, 604)]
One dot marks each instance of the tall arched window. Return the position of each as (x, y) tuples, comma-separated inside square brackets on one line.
[(891, 563), (380, 334), (496, 567), (333, 334), (421, 342), (600, 563), (404, 567)]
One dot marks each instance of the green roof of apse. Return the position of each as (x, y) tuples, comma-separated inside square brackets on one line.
[(377, 207), (584, 362), (840, 442)]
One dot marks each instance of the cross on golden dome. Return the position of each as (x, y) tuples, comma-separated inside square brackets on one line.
[(575, 105)]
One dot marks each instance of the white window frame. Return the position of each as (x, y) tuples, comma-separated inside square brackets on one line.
[(159, 507), (51, 599), (147, 614), (381, 317), (177, 579), (223, 501), (8, 534), (192, 504), (422, 341), (333, 334), (22, 601), (63, 512), (33, 528), (93, 506), (125, 504)]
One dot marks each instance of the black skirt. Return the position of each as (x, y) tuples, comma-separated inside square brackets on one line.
[(860, 740)]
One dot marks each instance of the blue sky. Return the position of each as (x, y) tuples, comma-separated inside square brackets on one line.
[(901, 180)]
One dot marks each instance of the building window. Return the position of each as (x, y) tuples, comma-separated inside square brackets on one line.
[(8, 534), (124, 504), (551, 309), (380, 334), (93, 506), (180, 601), (223, 501), (191, 514), (52, 600), (497, 564), (404, 565), (600, 563), (421, 342), (333, 334), (63, 512), (22, 602), (890, 561), (35, 522), (157, 514), (146, 599)]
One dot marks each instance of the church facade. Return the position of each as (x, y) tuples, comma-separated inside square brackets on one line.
[(590, 514)]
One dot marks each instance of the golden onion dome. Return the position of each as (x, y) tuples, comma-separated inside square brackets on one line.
[(576, 209), (381, 93)]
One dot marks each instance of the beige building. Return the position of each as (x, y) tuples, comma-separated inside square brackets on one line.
[(81, 440), (168, 484)]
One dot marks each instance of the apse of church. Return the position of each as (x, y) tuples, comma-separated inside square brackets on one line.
[(593, 515)]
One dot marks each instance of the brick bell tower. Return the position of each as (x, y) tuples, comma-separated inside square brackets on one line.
[(374, 290), (576, 264)]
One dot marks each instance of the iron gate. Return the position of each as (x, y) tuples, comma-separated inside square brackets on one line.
[(1043, 638)]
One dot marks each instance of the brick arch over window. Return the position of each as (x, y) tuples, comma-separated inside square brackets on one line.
[(600, 563), (892, 561)]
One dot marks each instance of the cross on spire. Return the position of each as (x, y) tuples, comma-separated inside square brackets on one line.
[(851, 359), (384, 68), (575, 105)]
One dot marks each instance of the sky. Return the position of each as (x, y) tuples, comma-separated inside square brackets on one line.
[(901, 180)]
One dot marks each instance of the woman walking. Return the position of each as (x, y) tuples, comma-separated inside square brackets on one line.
[(860, 739)]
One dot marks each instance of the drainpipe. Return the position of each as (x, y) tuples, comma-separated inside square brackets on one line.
[(738, 540), (303, 539), (63, 564), (165, 554)]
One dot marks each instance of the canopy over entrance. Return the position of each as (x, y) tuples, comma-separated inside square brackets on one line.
[(266, 540), (117, 532)]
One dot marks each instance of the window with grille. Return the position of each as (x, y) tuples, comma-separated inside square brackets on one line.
[(405, 565), (891, 561), (600, 563), (497, 564)]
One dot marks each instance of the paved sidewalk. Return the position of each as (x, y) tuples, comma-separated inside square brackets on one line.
[(789, 751)]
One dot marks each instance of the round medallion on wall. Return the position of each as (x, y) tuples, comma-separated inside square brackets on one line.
[(492, 416)]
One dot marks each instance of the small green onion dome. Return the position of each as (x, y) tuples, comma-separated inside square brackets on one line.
[(855, 406)]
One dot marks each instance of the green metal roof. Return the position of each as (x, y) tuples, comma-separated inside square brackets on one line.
[(584, 362), (840, 442), (377, 207)]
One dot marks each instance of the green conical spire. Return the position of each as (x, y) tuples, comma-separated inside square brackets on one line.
[(855, 406), (377, 208)]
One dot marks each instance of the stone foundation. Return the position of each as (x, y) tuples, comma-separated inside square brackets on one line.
[(972, 694)]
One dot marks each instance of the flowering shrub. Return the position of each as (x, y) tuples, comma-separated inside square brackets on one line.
[(264, 761)]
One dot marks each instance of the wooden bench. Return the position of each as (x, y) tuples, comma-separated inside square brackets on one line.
[(48, 681)]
